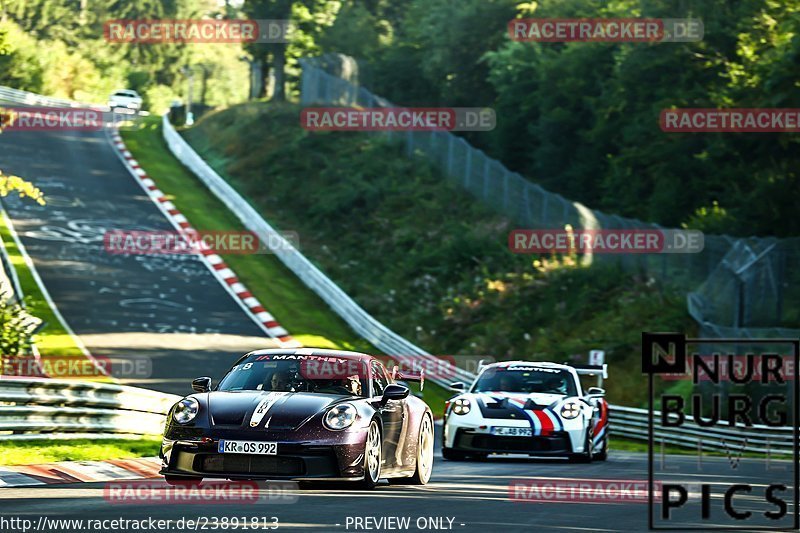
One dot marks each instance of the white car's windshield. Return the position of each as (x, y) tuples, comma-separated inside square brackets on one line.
[(526, 379)]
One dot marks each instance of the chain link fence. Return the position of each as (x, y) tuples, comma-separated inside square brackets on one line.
[(736, 287), (752, 292)]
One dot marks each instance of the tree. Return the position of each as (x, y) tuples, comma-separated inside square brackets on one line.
[(582, 118), (16, 325), (15, 184), (309, 18), (4, 48), (266, 53)]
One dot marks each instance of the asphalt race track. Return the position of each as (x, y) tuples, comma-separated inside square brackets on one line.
[(166, 310), (475, 496)]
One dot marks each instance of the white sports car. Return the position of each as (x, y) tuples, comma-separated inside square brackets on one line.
[(126, 99), (530, 408)]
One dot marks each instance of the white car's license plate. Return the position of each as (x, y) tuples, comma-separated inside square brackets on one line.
[(247, 446), (512, 431)]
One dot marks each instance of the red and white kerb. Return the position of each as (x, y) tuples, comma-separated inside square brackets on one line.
[(221, 271)]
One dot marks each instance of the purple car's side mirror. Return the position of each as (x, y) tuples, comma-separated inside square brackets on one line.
[(201, 384)]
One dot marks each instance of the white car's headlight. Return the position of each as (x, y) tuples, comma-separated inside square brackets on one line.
[(461, 406), (185, 410), (340, 417), (570, 410)]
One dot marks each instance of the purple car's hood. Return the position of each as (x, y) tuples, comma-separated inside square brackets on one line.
[(276, 410)]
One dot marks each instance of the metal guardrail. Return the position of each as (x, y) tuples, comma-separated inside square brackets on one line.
[(47, 408), (632, 423), (27, 98)]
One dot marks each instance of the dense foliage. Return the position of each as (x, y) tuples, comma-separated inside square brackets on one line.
[(579, 118), (57, 47), (582, 118), (15, 327)]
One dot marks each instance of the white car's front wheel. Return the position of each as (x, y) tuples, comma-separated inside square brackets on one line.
[(602, 455)]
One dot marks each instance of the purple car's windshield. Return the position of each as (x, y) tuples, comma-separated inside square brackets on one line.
[(316, 375), (526, 379)]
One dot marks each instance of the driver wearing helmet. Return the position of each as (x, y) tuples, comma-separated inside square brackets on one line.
[(556, 385), (352, 384), (279, 382)]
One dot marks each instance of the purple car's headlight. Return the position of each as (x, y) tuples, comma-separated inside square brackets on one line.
[(185, 410), (341, 416)]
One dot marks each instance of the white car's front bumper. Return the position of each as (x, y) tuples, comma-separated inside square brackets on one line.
[(473, 433)]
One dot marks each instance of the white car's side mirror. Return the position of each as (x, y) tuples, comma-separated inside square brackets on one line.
[(596, 391), (458, 386)]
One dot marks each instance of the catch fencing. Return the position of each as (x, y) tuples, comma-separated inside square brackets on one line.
[(32, 408), (737, 287)]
